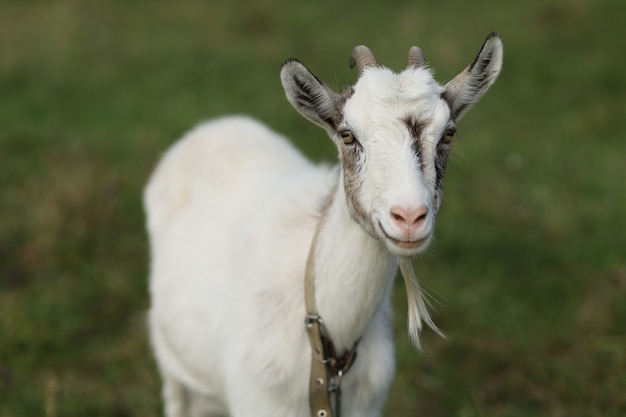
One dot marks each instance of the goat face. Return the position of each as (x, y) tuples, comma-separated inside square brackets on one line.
[(393, 132)]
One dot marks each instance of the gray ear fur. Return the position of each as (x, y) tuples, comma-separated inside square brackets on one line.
[(468, 87), (308, 95)]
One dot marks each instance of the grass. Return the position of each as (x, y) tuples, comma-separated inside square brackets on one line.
[(529, 265)]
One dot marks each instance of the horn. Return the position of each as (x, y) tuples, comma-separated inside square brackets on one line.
[(416, 58), (363, 58)]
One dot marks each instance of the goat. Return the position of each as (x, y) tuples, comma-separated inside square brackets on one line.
[(232, 211)]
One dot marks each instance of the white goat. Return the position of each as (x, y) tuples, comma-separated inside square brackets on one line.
[(232, 211)]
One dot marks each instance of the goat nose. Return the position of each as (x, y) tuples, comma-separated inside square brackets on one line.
[(409, 218)]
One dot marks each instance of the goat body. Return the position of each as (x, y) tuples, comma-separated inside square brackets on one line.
[(232, 209)]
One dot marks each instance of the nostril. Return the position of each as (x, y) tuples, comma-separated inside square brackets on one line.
[(397, 217), (421, 216)]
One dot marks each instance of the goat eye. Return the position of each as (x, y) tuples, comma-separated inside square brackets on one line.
[(347, 137), (448, 135)]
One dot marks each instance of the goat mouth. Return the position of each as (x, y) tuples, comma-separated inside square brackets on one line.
[(404, 244), (409, 244)]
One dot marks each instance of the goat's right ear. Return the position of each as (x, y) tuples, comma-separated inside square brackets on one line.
[(308, 95), (465, 89)]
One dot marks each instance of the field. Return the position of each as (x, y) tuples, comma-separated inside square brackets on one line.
[(529, 264)]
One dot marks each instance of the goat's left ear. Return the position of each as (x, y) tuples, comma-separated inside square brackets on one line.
[(307, 94), (468, 87)]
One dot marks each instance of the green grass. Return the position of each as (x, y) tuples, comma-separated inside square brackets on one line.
[(529, 264)]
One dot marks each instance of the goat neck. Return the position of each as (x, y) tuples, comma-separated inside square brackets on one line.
[(353, 272)]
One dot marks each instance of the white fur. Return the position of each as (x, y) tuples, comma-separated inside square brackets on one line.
[(228, 310), (232, 209)]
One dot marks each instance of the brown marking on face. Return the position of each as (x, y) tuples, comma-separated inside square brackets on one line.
[(416, 129), (353, 158), (441, 161), (353, 162), (442, 150)]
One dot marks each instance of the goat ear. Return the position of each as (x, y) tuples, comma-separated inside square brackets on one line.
[(464, 90), (308, 95)]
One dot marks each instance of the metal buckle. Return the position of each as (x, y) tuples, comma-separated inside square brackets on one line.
[(309, 319), (334, 393)]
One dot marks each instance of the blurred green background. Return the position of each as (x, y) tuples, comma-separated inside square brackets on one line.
[(529, 263)]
